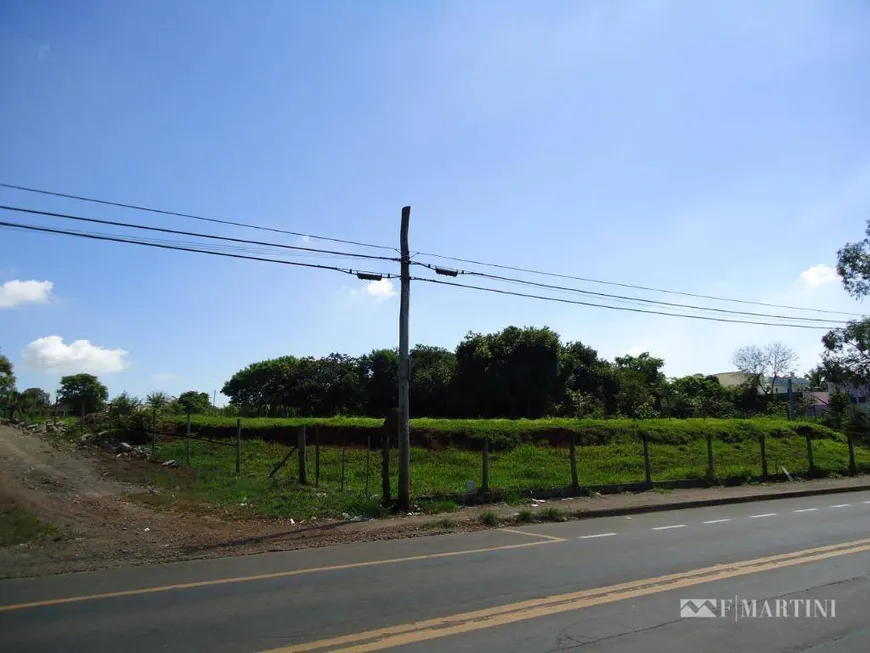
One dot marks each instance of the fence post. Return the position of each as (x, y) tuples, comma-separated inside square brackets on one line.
[(187, 444), (316, 456), (303, 466), (573, 456), (238, 445), (385, 466), (763, 456), (647, 469), (850, 439), (485, 484), (711, 470), (343, 442), (810, 457)]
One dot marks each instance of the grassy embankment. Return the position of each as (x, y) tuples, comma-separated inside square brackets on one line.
[(610, 452), (18, 526)]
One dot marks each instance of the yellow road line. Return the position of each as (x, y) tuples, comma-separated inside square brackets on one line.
[(403, 634), (546, 537), (278, 574)]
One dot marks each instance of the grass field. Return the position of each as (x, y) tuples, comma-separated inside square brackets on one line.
[(212, 478)]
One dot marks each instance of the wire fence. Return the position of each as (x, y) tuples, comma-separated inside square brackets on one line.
[(468, 475)]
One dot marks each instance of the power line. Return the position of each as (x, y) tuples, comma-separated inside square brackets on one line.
[(633, 286), (440, 256), (614, 308), (113, 223), (146, 243), (136, 207), (636, 299)]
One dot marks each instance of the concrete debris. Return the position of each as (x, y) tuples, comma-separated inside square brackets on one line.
[(146, 529), (170, 463), (124, 447), (345, 515)]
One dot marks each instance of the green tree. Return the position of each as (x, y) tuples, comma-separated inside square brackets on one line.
[(194, 402), (635, 398), (648, 367), (82, 391), (853, 266), (589, 382), (818, 378), (846, 356), (125, 404), (380, 371), (157, 401), (512, 373), (433, 370), (34, 400), (847, 353), (7, 380)]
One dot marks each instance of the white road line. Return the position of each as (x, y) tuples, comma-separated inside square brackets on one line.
[(766, 514), (805, 510), (866, 501), (589, 537), (842, 505), (716, 521), (664, 528)]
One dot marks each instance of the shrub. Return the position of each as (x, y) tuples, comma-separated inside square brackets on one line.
[(525, 516)]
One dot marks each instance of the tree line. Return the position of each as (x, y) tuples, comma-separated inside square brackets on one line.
[(513, 373)]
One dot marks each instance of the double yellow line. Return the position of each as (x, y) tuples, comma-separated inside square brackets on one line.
[(421, 631)]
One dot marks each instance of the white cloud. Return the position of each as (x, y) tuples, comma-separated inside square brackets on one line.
[(14, 293), (51, 355), (381, 290), (818, 275), (164, 376), (305, 239)]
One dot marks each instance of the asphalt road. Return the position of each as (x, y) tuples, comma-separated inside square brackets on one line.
[(611, 584)]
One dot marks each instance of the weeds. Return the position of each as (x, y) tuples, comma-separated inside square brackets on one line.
[(212, 483), (489, 518), (552, 514), (525, 516), (18, 526), (436, 506)]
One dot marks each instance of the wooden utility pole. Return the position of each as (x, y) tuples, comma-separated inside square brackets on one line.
[(404, 369)]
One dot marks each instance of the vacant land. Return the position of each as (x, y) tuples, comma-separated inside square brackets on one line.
[(66, 507), (516, 471)]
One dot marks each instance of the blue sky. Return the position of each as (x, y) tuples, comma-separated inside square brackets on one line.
[(712, 147)]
